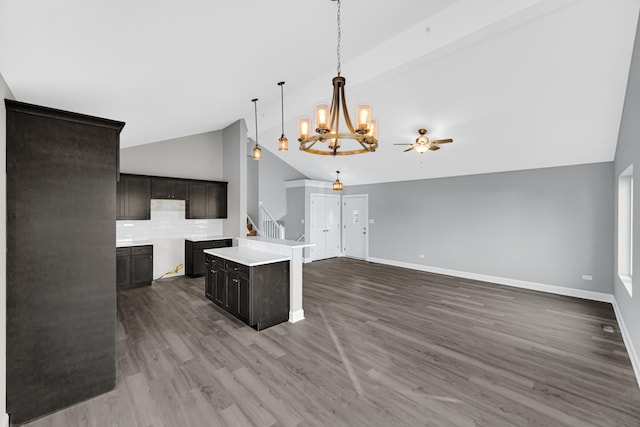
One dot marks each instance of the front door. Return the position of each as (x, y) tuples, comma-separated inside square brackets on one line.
[(355, 222)]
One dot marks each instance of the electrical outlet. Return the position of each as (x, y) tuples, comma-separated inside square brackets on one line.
[(421, 256), (586, 277), (302, 221)]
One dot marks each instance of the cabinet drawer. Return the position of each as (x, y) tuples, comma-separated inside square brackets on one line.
[(142, 250), (123, 251), (234, 267)]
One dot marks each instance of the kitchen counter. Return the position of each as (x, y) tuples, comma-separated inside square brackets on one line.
[(205, 238), (126, 243), (247, 256)]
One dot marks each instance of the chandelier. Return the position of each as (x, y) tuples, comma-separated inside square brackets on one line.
[(327, 122)]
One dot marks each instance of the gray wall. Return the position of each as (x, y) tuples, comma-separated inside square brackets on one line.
[(235, 173), (547, 226), (628, 152), (273, 173), (5, 93), (196, 157), (295, 213)]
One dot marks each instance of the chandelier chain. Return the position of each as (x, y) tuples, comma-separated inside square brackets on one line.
[(339, 39)]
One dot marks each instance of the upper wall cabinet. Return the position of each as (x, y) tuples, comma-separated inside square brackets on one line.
[(169, 188), (133, 196), (207, 200)]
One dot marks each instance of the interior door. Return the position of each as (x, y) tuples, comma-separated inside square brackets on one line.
[(355, 222), (317, 227), (325, 226), (332, 226)]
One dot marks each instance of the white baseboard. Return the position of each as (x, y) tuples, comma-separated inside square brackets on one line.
[(552, 289), (296, 316), (633, 356), (307, 260), (4, 420)]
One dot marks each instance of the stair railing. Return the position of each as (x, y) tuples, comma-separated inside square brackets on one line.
[(269, 227)]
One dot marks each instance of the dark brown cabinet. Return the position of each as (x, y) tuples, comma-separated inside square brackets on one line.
[(133, 196), (258, 295), (61, 203), (207, 200), (134, 267), (194, 255), (123, 268), (169, 188)]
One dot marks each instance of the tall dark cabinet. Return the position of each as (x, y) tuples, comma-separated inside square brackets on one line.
[(61, 210)]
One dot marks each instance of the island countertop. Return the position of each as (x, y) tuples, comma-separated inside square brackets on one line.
[(247, 256)]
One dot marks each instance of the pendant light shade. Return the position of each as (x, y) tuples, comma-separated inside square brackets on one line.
[(257, 151), (337, 185), (283, 142)]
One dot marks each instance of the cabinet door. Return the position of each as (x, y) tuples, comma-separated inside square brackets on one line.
[(179, 189), (220, 287), (217, 200), (159, 188), (197, 257), (233, 291), (210, 280), (243, 308), (137, 197), (123, 271), (197, 205), (141, 270)]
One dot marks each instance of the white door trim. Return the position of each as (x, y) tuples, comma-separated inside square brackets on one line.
[(344, 222)]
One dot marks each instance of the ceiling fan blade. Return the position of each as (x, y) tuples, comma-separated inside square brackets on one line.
[(442, 141), (402, 144), (409, 149), (434, 148)]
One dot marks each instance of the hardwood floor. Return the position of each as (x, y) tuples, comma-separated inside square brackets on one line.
[(380, 346)]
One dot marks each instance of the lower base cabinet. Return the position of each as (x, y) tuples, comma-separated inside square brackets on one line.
[(258, 295), (194, 255), (134, 267)]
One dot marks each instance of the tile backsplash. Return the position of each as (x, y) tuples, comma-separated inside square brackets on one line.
[(167, 222)]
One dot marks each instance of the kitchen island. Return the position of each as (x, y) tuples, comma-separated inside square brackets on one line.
[(251, 285), (257, 253)]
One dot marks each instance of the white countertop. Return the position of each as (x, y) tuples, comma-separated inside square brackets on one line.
[(203, 238), (247, 256), (288, 243), (126, 243)]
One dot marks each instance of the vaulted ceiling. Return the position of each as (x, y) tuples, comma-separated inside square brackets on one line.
[(517, 84)]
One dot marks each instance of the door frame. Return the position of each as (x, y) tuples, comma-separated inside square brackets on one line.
[(343, 241)]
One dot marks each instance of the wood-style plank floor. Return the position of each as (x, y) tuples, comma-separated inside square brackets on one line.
[(380, 346)]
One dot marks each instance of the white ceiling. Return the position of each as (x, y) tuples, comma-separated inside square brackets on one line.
[(517, 84)]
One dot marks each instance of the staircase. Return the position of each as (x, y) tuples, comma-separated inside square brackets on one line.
[(251, 229), (269, 226)]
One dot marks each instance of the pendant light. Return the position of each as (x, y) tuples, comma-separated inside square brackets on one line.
[(337, 185), (283, 142), (257, 151)]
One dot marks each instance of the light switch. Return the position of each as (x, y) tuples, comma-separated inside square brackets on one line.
[(371, 221)]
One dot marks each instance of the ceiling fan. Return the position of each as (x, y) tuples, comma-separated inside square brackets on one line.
[(423, 143)]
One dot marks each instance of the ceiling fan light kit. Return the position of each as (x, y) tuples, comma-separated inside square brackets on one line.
[(327, 120), (424, 144)]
